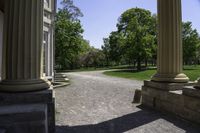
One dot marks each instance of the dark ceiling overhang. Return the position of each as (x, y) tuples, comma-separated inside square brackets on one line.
[(2, 3)]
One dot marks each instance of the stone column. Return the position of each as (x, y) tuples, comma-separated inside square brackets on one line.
[(169, 61), (22, 46), (1, 38)]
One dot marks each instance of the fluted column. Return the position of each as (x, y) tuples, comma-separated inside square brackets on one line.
[(169, 60), (22, 46)]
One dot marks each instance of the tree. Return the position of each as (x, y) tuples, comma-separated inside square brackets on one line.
[(71, 11), (135, 41), (85, 46), (106, 50), (137, 28), (93, 58), (68, 36), (116, 41), (191, 43)]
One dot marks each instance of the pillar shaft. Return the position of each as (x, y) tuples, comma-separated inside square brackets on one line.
[(169, 60), (22, 46)]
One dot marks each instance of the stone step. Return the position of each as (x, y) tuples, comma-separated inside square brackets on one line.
[(60, 84), (60, 75), (61, 80)]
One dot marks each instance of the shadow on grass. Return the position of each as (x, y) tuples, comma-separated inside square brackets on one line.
[(128, 122)]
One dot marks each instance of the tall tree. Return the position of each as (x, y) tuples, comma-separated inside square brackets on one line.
[(93, 58), (68, 35), (116, 41), (71, 11), (191, 43), (136, 26), (106, 50)]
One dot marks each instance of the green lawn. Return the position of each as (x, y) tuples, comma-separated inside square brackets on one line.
[(193, 72)]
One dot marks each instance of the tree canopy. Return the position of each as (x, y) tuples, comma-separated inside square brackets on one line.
[(134, 41), (68, 36), (191, 44)]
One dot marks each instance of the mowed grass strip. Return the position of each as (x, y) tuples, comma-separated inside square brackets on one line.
[(193, 72)]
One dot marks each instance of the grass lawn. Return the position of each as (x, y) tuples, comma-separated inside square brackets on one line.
[(193, 72)]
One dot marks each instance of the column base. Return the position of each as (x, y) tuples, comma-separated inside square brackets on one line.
[(24, 85), (32, 112), (173, 78)]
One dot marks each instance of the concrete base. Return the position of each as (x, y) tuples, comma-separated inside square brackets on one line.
[(31, 112), (181, 101)]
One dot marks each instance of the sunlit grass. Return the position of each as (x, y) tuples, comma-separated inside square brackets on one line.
[(193, 72)]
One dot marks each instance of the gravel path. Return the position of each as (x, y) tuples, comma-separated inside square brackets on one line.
[(95, 103)]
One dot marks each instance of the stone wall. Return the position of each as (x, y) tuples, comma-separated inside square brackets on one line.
[(180, 102), (31, 112)]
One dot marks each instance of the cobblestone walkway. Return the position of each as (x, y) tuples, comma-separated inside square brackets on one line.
[(95, 103)]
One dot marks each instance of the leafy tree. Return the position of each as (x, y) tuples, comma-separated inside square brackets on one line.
[(106, 50), (85, 46), (116, 41), (71, 11), (191, 43), (135, 41), (93, 58), (154, 46), (136, 25), (68, 36)]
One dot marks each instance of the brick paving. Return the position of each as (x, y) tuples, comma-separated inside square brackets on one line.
[(95, 103)]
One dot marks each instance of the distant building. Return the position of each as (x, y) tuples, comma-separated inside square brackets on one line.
[(49, 12), (48, 39)]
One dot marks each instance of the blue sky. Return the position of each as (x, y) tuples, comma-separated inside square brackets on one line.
[(100, 16)]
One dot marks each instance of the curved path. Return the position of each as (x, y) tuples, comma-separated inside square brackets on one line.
[(95, 103)]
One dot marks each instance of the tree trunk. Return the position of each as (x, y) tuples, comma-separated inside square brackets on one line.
[(138, 64), (134, 64), (107, 60), (146, 63)]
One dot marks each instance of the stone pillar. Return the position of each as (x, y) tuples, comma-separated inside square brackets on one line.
[(169, 60), (1, 38), (23, 35)]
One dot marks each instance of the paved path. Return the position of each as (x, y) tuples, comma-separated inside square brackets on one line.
[(95, 103)]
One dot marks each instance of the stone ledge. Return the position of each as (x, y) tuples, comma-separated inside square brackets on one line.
[(25, 109), (184, 103), (24, 118), (21, 108), (2, 131), (191, 92), (44, 96), (166, 86)]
